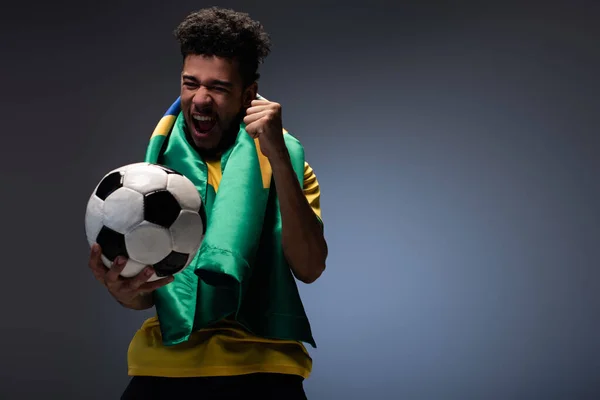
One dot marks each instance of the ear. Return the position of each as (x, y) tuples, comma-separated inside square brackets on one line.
[(250, 94)]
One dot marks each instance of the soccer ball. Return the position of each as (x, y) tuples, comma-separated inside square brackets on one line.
[(148, 213)]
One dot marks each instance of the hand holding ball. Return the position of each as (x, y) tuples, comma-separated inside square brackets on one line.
[(149, 214)]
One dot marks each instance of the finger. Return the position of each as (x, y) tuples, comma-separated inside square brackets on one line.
[(260, 102), (95, 263), (152, 286), (141, 278), (248, 119), (113, 274), (95, 256), (257, 109), (254, 129), (99, 273)]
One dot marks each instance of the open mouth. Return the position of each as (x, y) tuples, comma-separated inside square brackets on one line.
[(203, 124)]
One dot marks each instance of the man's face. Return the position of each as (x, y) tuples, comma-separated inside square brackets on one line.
[(213, 100)]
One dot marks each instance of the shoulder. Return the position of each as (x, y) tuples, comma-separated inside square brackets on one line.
[(296, 149)]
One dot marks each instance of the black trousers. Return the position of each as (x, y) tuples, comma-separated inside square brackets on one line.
[(253, 386)]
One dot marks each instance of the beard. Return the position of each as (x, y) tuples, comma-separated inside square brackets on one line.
[(228, 138)]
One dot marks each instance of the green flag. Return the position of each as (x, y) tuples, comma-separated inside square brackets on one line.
[(240, 269)]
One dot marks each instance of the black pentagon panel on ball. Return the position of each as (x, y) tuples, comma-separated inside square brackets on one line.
[(171, 264), (161, 208), (112, 243), (109, 184), (168, 170)]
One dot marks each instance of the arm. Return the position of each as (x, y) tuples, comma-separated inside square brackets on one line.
[(142, 301), (303, 240)]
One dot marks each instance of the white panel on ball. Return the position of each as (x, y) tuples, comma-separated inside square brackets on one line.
[(93, 218), (145, 178), (186, 232), (124, 168), (184, 191), (106, 261), (132, 268), (155, 277), (123, 210), (148, 243)]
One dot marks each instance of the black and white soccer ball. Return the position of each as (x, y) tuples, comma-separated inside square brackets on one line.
[(148, 213)]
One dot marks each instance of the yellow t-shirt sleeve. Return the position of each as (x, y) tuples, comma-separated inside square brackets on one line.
[(312, 191)]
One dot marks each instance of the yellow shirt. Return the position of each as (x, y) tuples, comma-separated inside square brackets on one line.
[(225, 348)]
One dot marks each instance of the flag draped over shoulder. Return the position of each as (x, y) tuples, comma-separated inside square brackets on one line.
[(240, 269)]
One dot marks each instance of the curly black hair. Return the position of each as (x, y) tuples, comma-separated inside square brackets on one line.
[(225, 33)]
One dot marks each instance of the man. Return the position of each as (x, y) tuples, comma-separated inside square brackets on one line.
[(221, 51)]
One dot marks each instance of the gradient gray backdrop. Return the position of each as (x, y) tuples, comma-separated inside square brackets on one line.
[(458, 151)]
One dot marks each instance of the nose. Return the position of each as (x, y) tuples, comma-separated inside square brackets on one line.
[(202, 98)]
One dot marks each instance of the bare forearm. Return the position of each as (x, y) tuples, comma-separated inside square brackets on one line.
[(303, 242)]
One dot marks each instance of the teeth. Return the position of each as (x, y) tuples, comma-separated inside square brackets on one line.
[(202, 118)]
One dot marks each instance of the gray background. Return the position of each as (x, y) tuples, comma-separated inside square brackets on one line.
[(457, 147)]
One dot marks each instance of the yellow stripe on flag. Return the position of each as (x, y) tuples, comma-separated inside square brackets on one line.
[(265, 166), (164, 125)]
